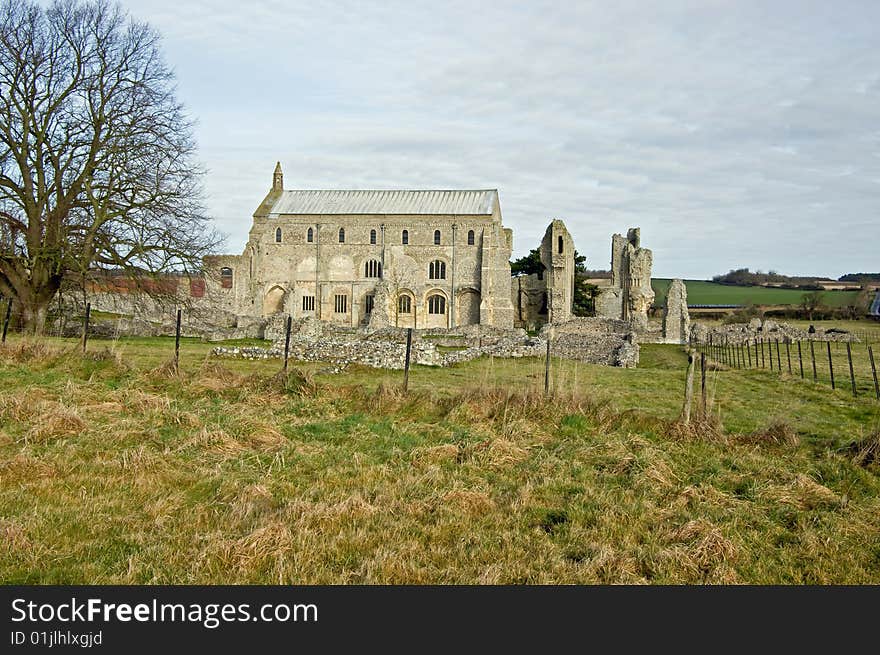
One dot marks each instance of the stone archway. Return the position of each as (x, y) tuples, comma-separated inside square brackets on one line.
[(273, 303), (468, 307)]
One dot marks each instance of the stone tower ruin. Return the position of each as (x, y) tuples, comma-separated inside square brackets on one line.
[(557, 256), (629, 296)]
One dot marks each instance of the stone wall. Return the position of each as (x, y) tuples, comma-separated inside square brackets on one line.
[(557, 256), (629, 296), (596, 341), (756, 329), (676, 318), (529, 296)]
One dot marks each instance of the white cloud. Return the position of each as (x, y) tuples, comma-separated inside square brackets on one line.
[(735, 133)]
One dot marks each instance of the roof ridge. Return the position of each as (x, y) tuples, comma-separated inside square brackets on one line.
[(396, 190)]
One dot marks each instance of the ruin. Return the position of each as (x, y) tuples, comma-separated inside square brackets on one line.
[(676, 319), (546, 297), (629, 295)]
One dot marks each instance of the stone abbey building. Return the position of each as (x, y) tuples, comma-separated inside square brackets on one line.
[(422, 259)]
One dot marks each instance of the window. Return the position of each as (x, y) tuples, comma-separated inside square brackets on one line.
[(436, 237), (310, 235), (404, 237), (341, 306), (559, 242), (373, 268), (437, 270), (373, 237), (342, 235), (368, 304), (436, 304), (308, 303), (226, 278), (277, 235), (470, 237), (404, 305)]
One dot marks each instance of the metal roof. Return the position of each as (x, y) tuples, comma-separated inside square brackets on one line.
[(477, 202)]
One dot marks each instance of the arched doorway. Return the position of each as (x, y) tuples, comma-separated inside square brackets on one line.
[(273, 303), (468, 307)]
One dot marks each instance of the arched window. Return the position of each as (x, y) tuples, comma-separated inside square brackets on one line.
[(436, 304), (373, 268), (310, 235), (404, 237), (437, 270), (404, 305), (373, 237), (277, 235), (342, 235), (470, 237), (559, 242), (436, 237), (226, 277)]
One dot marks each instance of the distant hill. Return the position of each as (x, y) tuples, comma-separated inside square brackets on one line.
[(702, 292), (858, 277)]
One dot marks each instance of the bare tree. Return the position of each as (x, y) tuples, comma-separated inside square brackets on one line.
[(97, 159), (811, 301)]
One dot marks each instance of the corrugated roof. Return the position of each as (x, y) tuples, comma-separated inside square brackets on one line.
[(478, 202)]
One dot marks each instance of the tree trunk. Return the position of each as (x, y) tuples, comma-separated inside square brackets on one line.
[(34, 304)]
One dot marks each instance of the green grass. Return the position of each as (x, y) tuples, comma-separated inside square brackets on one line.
[(114, 470), (701, 292)]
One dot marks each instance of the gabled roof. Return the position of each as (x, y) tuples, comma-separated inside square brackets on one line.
[(472, 202)]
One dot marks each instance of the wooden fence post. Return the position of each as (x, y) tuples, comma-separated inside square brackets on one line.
[(778, 358), (688, 389), (830, 364), (177, 343), (703, 392), (547, 369), (813, 357), (800, 360), (6, 320), (763, 364), (749, 353), (874, 372), (406, 361), (85, 336), (852, 375), (287, 341), (770, 353)]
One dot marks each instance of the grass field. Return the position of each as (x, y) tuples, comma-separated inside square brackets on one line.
[(701, 292), (113, 469)]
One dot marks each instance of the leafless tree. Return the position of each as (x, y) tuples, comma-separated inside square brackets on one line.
[(97, 158)]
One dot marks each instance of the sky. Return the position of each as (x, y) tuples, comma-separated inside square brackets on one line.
[(734, 133)]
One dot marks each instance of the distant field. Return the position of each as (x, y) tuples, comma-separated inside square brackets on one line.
[(701, 292)]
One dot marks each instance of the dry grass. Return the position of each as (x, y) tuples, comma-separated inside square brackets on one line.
[(778, 433), (215, 474)]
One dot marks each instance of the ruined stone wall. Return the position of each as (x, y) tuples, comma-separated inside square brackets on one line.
[(629, 296), (676, 318), (529, 296), (557, 256), (767, 330)]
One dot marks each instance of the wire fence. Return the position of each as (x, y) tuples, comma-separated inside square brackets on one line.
[(837, 364)]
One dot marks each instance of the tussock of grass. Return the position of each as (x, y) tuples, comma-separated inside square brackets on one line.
[(778, 433), (866, 451)]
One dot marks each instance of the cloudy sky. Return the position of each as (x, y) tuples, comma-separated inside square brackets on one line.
[(735, 133)]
